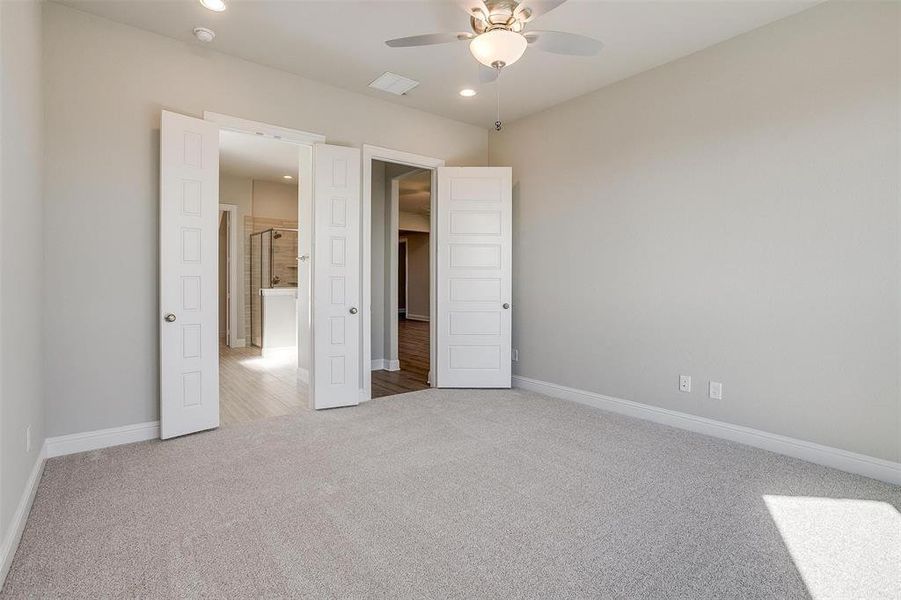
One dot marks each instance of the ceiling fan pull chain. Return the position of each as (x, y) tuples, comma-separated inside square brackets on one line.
[(497, 88)]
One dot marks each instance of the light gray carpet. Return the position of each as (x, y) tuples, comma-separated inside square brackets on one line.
[(435, 494)]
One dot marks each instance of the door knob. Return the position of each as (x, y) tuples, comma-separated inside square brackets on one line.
[(170, 318), (353, 310), (506, 306)]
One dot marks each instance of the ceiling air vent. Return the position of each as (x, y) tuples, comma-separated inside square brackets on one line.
[(394, 83)]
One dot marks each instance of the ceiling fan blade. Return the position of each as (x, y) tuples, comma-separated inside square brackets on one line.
[(429, 39), (475, 8), (488, 74), (558, 42), (532, 9)]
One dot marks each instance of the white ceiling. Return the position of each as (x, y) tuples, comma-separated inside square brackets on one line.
[(258, 158), (342, 43)]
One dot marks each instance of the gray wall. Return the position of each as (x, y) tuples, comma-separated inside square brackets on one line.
[(733, 215), (418, 273), (275, 200), (239, 191), (21, 250), (382, 174), (105, 85)]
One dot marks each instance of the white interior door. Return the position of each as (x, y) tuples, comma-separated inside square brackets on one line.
[(189, 275), (337, 277), (474, 277)]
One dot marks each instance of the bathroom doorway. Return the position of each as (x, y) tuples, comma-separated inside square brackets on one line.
[(258, 352)]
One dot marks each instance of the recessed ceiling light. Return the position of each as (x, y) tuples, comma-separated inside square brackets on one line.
[(287, 177), (468, 93), (203, 34), (214, 5)]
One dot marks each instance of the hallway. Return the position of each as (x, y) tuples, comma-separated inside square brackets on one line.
[(413, 353)]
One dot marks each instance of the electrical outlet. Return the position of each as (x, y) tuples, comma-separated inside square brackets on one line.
[(716, 390), (28, 439), (514, 355), (684, 383)]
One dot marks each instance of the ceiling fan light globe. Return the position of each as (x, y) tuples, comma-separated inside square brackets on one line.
[(498, 46)]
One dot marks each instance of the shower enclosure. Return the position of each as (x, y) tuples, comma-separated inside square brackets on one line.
[(273, 264)]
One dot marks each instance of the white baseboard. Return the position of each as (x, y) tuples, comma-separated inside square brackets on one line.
[(383, 364), (836, 458), (102, 438), (17, 525), (412, 317), (285, 352)]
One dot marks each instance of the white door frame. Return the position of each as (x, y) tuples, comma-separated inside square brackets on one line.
[(391, 268), (231, 221), (305, 140), (371, 153), (403, 240)]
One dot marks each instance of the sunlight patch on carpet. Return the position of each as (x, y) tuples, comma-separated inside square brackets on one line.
[(843, 548)]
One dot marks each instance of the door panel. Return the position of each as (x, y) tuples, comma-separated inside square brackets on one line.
[(474, 279), (337, 273), (189, 277)]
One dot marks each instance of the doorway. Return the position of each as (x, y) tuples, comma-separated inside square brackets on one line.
[(259, 200), (381, 249), (401, 272)]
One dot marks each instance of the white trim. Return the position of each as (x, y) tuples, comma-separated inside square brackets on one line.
[(371, 153), (391, 268), (305, 306), (20, 517), (295, 136), (384, 364), (412, 317), (433, 278), (835, 458), (281, 352), (101, 438), (393, 265), (401, 311), (232, 302)]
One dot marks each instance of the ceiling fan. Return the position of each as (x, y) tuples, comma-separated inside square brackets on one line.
[(499, 37)]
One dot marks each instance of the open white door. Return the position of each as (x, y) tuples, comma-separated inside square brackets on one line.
[(189, 278), (337, 277), (474, 277)]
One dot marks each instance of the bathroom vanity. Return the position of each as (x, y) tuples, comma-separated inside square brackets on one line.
[(279, 320)]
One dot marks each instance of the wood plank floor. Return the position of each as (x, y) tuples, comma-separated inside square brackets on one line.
[(252, 387), (413, 353)]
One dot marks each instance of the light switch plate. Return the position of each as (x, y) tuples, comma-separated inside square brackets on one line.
[(716, 390)]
